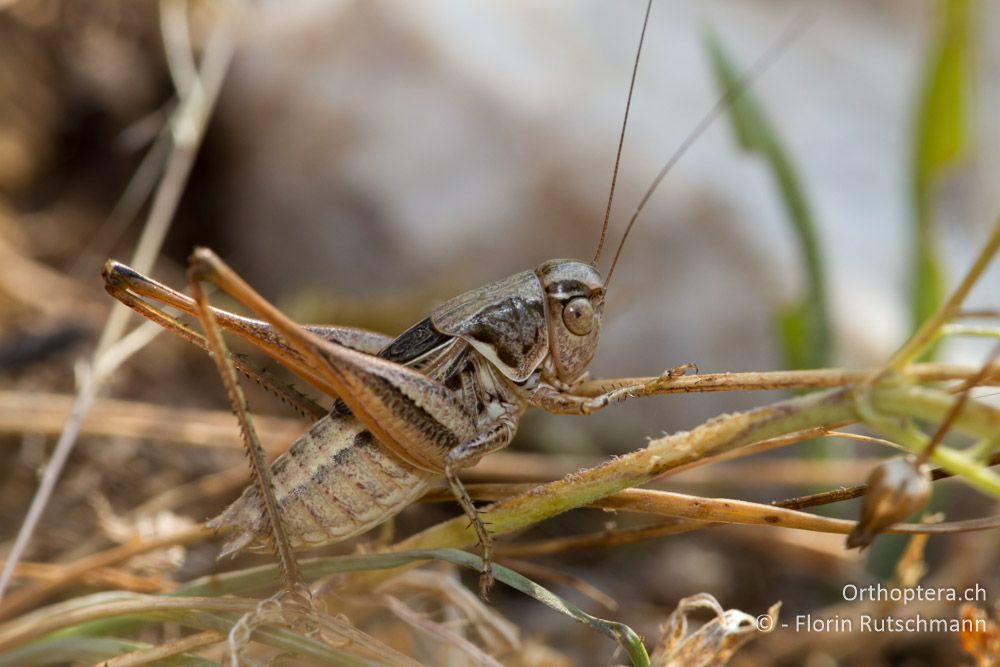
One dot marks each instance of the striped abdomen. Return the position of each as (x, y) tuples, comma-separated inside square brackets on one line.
[(334, 482)]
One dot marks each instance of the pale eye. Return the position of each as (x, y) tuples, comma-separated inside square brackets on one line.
[(578, 316)]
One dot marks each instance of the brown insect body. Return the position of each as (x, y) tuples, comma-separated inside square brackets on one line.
[(334, 482), (489, 348), (431, 402)]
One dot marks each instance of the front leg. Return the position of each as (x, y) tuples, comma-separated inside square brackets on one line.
[(564, 402)]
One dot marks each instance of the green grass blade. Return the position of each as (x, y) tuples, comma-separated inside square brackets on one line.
[(803, 327), (65, 650), (621, 633), (940, 138)]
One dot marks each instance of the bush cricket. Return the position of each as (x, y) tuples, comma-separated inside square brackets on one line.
[(408, 410)]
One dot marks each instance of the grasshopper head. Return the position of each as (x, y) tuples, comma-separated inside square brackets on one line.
[(574, 293)]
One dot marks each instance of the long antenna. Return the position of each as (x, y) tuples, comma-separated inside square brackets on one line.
[(621, 137), (733, 93)]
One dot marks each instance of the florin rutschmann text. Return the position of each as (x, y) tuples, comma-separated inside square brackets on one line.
[(902, 596), (870, 623)]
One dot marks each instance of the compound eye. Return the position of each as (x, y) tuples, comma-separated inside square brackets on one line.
[(578, 316)]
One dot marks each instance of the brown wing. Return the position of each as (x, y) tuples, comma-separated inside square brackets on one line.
[(504, 321)]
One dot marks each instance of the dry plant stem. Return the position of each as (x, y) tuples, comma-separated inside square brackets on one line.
[(847, 493), (977, 313), (27, 598), (821, 378), (755, 448), (260, 470), (169, 649), (950, 330), (723, 434), (177, 46), (929, 329), (44, 414), (725, 510), (104, 577), (189, 122), (226, 483), (608, 538), (715, 511), (858, 437), (602, 539), (960, 462)]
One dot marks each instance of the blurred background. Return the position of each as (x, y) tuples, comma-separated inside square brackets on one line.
[(367, 160)]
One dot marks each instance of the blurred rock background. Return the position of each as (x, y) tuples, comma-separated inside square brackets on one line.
[(371, 158)]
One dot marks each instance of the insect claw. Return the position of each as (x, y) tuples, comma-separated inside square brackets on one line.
[(486, 581), (670, 374), (678, 371)]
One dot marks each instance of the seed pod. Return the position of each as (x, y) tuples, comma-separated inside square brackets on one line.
[(897, 488)]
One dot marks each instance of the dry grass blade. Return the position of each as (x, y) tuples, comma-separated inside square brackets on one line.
[(166, 650), (45, 414), (27, 598), (847, 493), (104, 577), (808, 379), (605, 538), (75, 612), (725, 510), (189, 123), (715, 511)]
